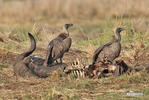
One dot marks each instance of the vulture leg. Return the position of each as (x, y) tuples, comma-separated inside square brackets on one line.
[(56, 62), (61, 60), (47, 57), (107, 61)]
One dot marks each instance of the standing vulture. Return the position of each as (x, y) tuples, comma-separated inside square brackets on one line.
[(110, 51), (31, 66), (58, 46)]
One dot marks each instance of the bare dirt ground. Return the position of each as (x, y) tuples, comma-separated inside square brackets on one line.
[(94, 22), (52, 88), (9, 84)]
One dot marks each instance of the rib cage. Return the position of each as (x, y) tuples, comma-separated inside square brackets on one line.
[(77, 69), (78, 73)]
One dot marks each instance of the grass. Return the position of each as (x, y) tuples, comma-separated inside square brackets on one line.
[(92, 28), (1, 66), (70, 88), (71, 9)]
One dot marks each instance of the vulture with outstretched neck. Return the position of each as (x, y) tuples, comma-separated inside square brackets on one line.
[(110, 51)]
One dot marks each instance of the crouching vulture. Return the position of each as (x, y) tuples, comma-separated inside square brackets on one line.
[(110, 51), (27, 66), (21, 62), (58, 46)]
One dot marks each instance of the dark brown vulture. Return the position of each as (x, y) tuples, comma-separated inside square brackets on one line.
[(21, 61), (28, 66), (110, 51), (58, 46)]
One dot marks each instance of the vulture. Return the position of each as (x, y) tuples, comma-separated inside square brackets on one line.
[(109, 51), (20, 65), (58, 46), (32, 66)]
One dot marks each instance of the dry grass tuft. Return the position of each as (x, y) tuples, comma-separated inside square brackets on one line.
[(140, 25)]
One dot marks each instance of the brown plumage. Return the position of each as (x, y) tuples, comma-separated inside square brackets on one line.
[(28, 66), (43, 72), (109, 51), (58, 46), (21, 60), (37, 60)]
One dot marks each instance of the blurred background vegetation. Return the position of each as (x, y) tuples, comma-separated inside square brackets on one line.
[(33, 10), (94, 23)]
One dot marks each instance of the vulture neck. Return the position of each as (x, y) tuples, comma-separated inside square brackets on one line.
[(118, 36), (65, 30)]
